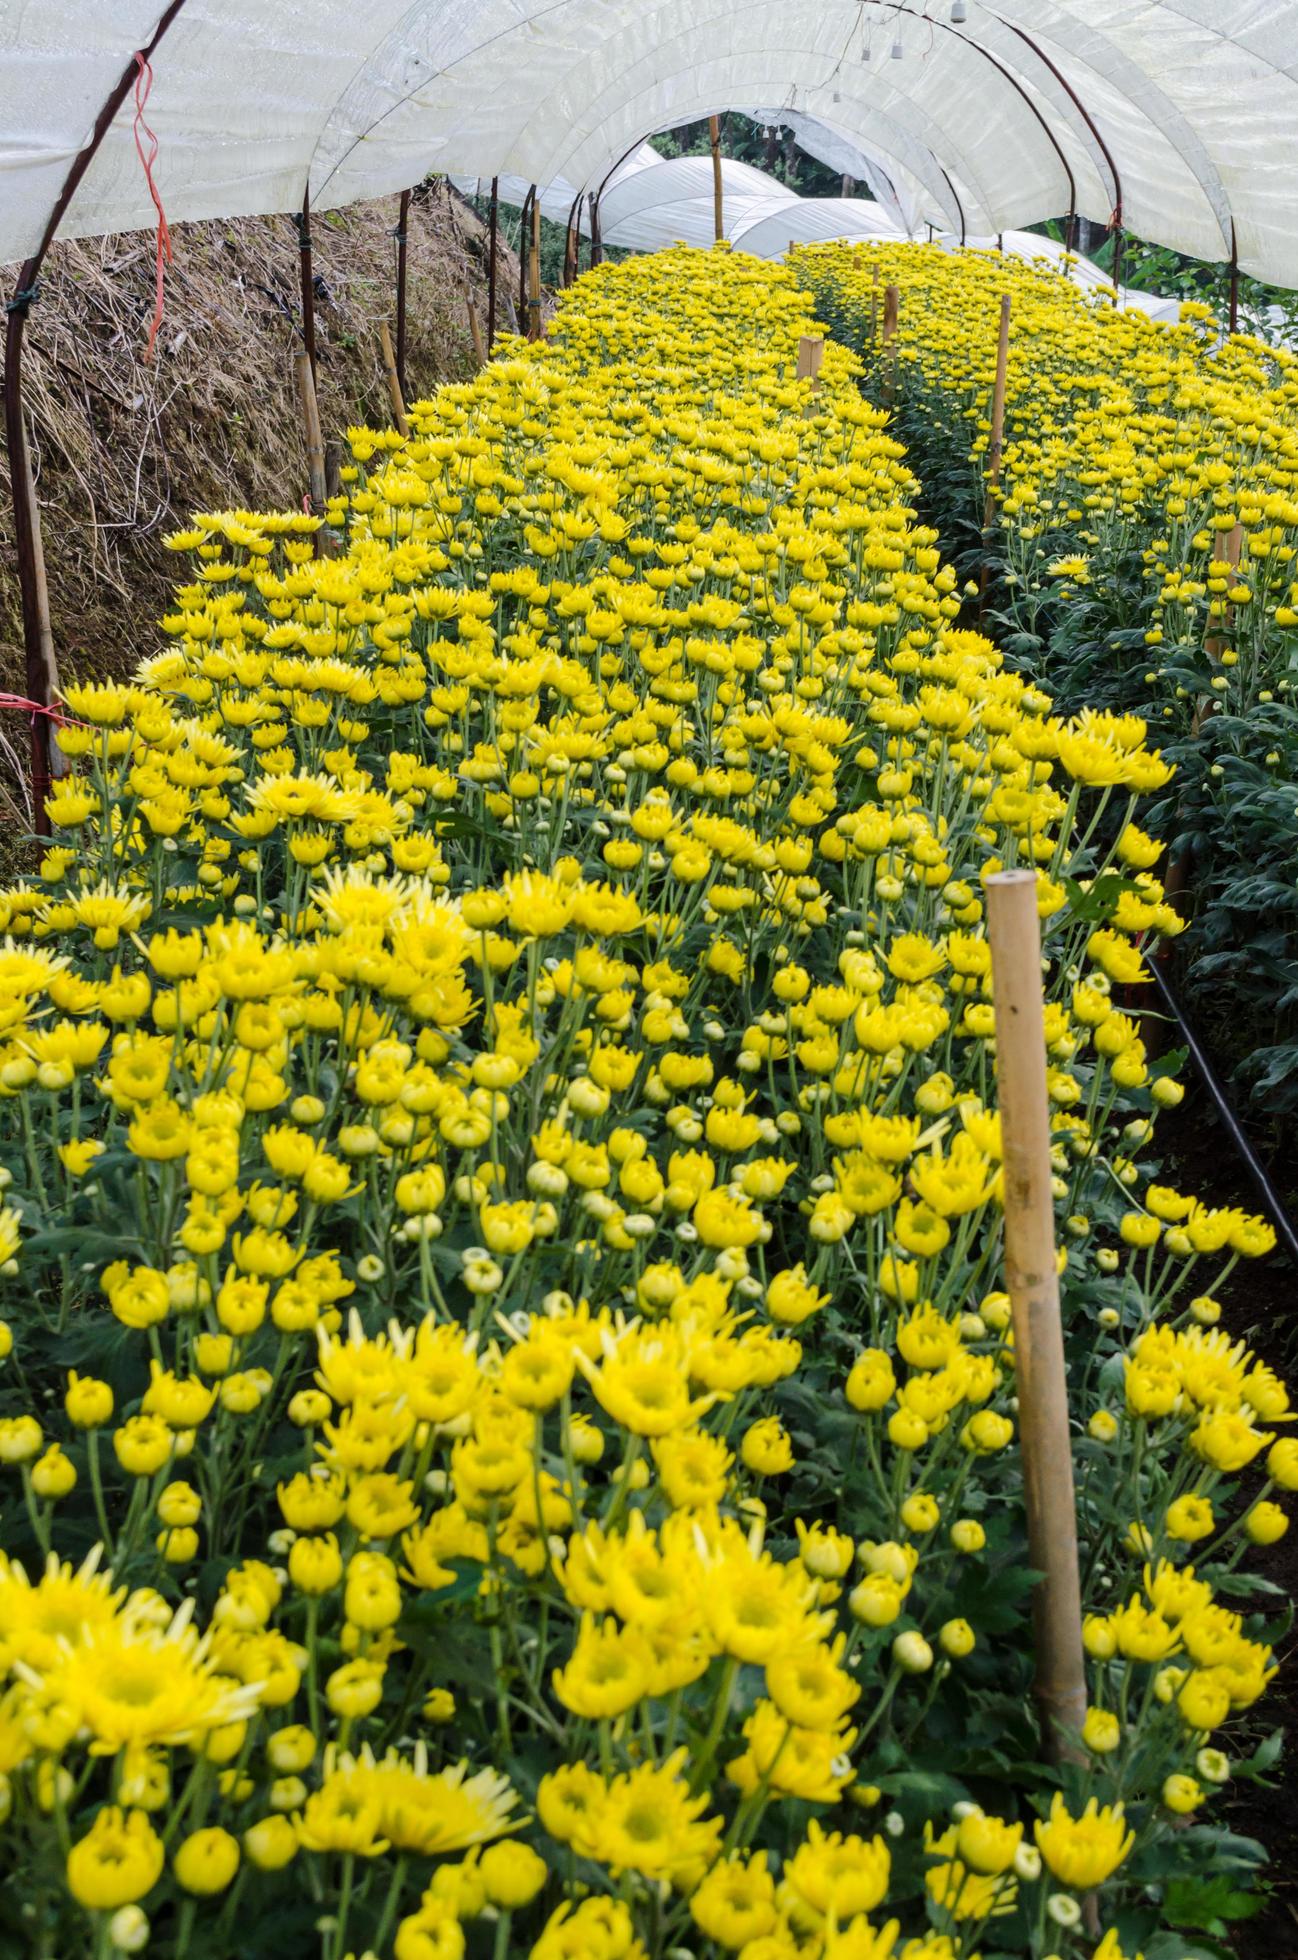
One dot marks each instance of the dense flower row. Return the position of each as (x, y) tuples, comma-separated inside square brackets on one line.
[(504, 1350), (1148, 530)]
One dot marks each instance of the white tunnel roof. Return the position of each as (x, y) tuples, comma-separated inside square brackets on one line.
[(1184, 110)]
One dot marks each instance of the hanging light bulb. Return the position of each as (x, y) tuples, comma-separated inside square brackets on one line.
[(959, 12), (865, 46), (897, 50)]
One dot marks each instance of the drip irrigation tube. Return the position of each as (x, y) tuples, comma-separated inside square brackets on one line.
[(1271, 1201)]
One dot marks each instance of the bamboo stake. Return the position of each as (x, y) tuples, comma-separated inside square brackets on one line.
[(524, 224), (534, 273), (1215, 644), (1032, 1279), (874, 306), (403, 235), (393, 379), (315, 460), (1177, 882), (995, 451), (479, 351), (306, 278), (718, 211), (891, 320), (493, 226), (811, 352), (996, 445), (58, 764)]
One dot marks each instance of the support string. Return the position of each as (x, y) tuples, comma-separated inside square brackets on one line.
[(146, 147)]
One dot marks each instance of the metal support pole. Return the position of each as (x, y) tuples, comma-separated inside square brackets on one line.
[(493, 227), (403, 230), (40, 678)]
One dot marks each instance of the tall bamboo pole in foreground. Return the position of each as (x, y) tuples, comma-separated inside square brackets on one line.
[(718, 208), (1032, 1279)]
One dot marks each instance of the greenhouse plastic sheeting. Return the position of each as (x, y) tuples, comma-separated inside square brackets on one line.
[(650, 201), (1188, 108), (809, 220), (1082, 271)]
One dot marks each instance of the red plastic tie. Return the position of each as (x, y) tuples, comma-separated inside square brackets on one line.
[(146, 146), (34, 708)]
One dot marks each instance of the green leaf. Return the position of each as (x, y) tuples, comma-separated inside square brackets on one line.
[(1208, 1905)]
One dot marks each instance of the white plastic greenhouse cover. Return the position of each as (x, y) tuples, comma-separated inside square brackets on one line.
[(651, 201), (1189, 107)]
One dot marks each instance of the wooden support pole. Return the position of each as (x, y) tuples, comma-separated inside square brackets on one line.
[(572, 241), (37, 648), (811, 352), (1215, 643), (403, 232), (395, 393), (307, 279), (1032, 1281), (718, 208), (1234, 280), (874, 306), (1176, 883), (315, 459), (475, 329), (891, 321), (996, 441), (534, 272), (493, 227), (57, 763), (995, 452), (1117, 263), (524, 227)]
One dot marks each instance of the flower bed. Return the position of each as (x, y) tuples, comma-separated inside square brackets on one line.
[(506, 1356), (1144, 552)]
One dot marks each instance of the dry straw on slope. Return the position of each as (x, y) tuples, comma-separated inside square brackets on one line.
[(124, 451)]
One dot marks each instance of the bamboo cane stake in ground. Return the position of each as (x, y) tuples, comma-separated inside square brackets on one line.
[(891, 320), (811, 352), (995, 449), (1032, 1280), (315, 458), (475, 329), (393, 379), (403, 239), (718, 208), (534, 272), (996, 442)]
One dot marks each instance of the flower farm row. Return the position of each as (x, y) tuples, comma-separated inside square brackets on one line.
[(508, 1402), (1147, 539)]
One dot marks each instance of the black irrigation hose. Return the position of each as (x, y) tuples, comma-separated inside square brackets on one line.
[(1272, 1203)]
